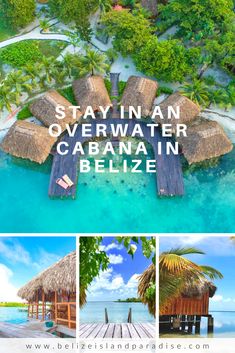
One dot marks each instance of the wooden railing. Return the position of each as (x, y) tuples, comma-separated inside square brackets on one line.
[(68, 319)]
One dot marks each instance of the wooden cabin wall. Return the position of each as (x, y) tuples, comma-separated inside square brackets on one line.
[(188, 306)]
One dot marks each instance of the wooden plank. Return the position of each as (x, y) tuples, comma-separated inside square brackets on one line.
[(102, 332), (110, 331), (96, 331), (133, 332), (141, 332), (87, 332), (125, 331), (117, 331), (150, 330)]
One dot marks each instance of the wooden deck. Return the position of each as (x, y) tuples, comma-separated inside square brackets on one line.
[(21, 331), (137, 331), (169, 174)]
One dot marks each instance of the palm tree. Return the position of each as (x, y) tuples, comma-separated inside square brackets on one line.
[(94, 62), (7, 97), (175, 271), (105, 5), (45, 25), (197, 91), (50, 66), (20, 83), (34, 71), (69, 63)]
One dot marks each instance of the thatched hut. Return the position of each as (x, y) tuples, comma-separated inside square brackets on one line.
[(150, 5), (141, 92), (91, 91), (28, 140), (147, 279), (205, 139), (52, 293), (193, 300), (44, 109), (187, 108)]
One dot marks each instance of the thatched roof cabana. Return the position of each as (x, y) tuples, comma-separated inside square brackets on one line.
[(44, 109), (188, 110), (147, 278), (205, 139), (193, 299), (150, 5), (91, 91), (28, 140), (59, 277), (139, 91)]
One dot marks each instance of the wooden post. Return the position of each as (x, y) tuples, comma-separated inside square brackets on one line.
[(183, 318), (43, 305), (198, 325), (32, 311), (190, 324), (69, 315), (210, 326), (37, 306), (106, 318), (129, 318), (56, 309)]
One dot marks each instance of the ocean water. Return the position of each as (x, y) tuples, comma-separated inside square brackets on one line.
[(93, 312), (224, 326), (12, 315), (117, 202)]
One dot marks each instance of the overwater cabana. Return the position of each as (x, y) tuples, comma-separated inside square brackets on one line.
[(28, 140), (91, 91), (205, 140), (185, 311), (188, 110), (44, 109), (51, 295), (141, 92)]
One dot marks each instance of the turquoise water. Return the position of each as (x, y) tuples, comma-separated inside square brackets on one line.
[(117, 312), (12, 315), (117, 203)]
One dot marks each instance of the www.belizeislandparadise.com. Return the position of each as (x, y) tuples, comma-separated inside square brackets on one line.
[(111, 346)]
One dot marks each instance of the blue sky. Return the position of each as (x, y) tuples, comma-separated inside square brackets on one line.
[(22, 258), (120, 280), (220, 254)]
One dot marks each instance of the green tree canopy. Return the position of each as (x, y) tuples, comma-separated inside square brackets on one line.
[(200, 17), (17, 13), (166, 60), (130, 31)]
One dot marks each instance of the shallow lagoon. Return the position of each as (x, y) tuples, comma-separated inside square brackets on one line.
[(13, 315), (117, 203)]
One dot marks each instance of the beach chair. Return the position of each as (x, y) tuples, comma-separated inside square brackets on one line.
[(68, 181), (62, 183)]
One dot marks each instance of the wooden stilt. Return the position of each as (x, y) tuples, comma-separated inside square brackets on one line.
[(183, 318), (190, 323), (37, 305), (69, 315), (129, 318), (106, 315), (56, 308), (198, 325), (43, 305), (210, 326)]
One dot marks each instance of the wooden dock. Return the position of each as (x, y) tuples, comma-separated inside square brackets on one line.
[(112, 330), (169, 174), (8, 330)]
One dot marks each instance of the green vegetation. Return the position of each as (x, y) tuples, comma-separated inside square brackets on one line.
[(12, 304), (17, 13), (51, 47), (129, 300), (93, 62), (24, 113), (19, 54), (175, 271), (68, 94), (6, 31)]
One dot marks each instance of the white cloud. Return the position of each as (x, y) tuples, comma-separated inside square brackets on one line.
[(14, 252), (111, 246), (8, 291), (115, 259), (133, 282), (217, 298), (45, 259)]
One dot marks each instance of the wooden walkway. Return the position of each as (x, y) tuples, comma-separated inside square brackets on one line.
[(169, 174), (21, 331), (110, 330), (114, 78)]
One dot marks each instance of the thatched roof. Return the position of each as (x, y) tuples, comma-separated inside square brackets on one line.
[(139, 91), (28, 140), (44, 109), (188, 110), (91, 91), (150, 5), (205, 139), (197, 288), (58, 277), (145, 280)]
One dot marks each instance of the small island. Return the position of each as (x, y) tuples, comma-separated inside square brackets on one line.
[(12, 304), (128, 300)]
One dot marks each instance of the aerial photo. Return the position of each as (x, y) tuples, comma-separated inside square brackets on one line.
[(117, 54)]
